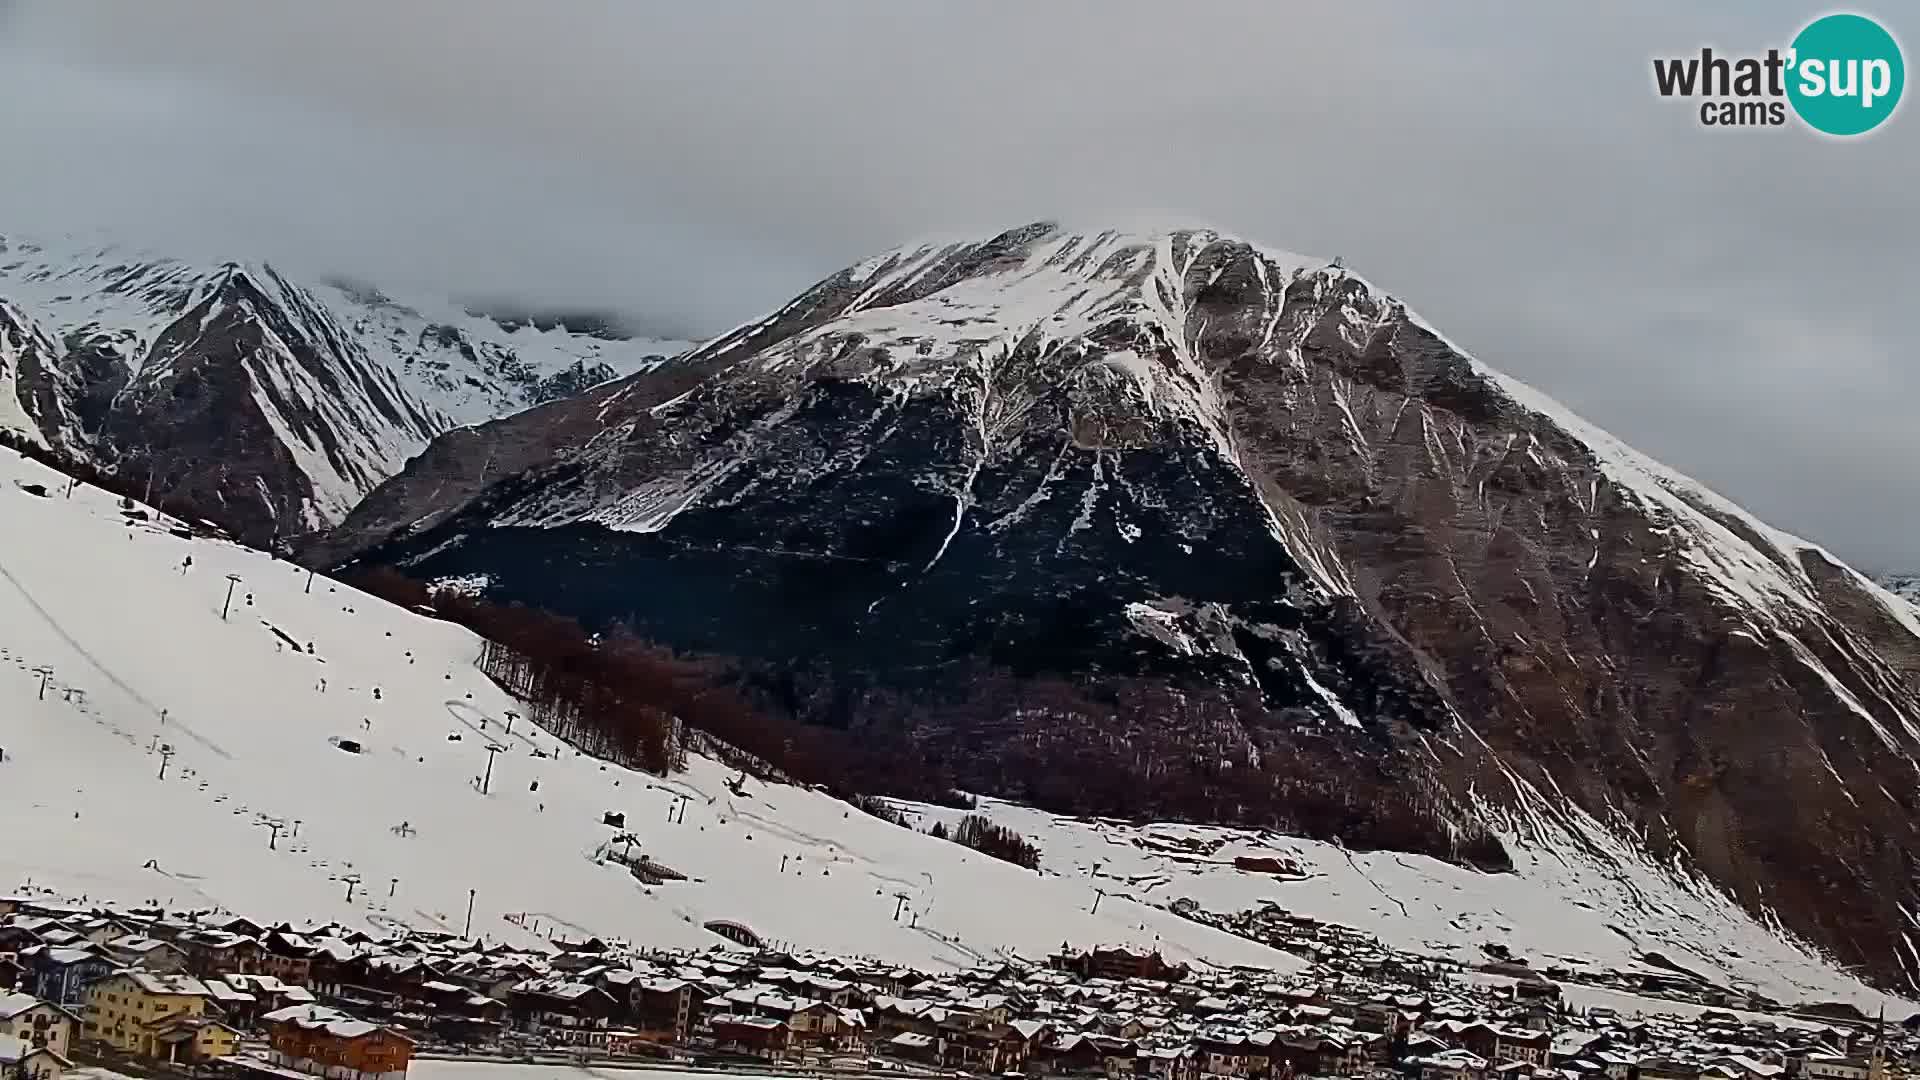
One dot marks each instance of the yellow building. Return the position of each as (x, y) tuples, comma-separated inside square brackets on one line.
[(162, 1017), (194, 1039)]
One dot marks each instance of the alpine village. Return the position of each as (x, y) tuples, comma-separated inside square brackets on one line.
[(92, 991)]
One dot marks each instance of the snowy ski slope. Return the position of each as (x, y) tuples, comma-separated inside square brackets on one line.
[(1589, 902), (107, 606)]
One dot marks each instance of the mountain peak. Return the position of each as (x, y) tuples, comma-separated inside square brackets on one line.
[(1082, 248), (1175, 458)]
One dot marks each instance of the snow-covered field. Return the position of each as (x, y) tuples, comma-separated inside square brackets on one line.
[(252, 718), (106, 605), (1583, 996), (1565, 904)]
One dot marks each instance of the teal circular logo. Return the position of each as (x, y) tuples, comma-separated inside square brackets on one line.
[(1846, 74)]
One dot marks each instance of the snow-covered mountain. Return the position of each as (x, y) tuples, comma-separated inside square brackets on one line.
[(164, 744), (1181, 456), (272, 404)]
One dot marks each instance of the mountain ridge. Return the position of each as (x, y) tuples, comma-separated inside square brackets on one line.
[(322, 389)]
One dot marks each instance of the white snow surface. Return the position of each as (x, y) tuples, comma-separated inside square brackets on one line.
[(105, 604), (1593, 907)]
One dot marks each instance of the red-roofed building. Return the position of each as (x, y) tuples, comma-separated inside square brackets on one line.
[(756, 1036), (1120, 963), (326, 1042)]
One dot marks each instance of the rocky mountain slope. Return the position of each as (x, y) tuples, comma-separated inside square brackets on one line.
[(1188, 458), (272, 404)]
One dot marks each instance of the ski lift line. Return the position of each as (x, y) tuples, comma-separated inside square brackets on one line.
[(73, 643), (863, 863)]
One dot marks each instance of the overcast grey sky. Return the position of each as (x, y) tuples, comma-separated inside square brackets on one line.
[(1735, 302)]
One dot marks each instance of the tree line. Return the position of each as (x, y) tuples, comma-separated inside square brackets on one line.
[(129, 489), (1130, 748), (998, 841), (638, 704)]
